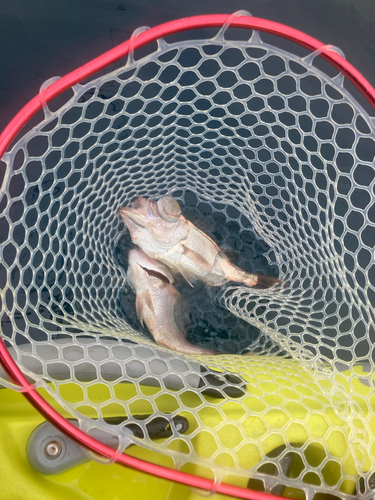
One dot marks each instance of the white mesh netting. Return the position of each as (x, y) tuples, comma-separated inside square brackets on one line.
[(273, 159)]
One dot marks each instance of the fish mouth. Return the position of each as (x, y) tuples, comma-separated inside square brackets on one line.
[(132, 216), (139, 214)]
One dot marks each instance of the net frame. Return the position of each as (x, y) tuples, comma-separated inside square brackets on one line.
[(56, 88)]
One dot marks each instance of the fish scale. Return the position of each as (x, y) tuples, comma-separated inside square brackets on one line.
[(165, 235), (159, 305)]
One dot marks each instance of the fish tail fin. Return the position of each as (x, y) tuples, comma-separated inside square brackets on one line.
[(262, 281)]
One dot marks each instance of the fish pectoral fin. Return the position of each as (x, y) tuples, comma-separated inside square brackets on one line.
[(227, 252), (143, 299), (139, 310), (194, 256), (185, 275)]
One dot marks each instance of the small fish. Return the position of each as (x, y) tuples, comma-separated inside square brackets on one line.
[(159, 305), (160, 230)]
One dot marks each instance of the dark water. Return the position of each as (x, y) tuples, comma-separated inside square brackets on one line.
[(44, 38)]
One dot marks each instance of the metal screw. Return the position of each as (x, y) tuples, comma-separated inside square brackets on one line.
[(52, 450)]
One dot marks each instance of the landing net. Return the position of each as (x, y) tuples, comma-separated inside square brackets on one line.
[(274, 158)]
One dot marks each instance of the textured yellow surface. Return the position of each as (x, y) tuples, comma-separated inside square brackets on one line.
[(266, 429), (86, 482)]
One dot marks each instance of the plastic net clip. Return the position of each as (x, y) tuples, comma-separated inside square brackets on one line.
[(162, 44), (220, 36), (119, 443), (214, 487), (135, 34), (326, 48), (17, 388), (42, 93), (255, 38), (339, 78)]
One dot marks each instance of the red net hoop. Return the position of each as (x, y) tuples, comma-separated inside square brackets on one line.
[(57, 87)]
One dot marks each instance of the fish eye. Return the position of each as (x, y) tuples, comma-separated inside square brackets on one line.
[(168, 208)]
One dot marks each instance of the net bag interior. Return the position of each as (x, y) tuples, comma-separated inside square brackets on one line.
[(271, 157)]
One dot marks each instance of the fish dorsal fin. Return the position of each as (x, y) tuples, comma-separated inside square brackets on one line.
[(228, 252), (143, 299)]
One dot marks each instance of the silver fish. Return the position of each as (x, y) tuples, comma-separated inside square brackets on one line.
[(160, 230), (159, 305)]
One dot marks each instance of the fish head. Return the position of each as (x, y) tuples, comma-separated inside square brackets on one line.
[(157, 223)]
